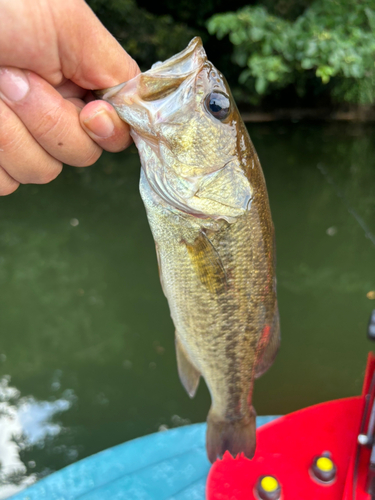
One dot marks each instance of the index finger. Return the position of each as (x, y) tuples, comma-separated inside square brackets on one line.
[(90, 56), (62, 40), (52, 120)]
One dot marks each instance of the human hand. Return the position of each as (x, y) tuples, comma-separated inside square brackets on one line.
[(51, 54)]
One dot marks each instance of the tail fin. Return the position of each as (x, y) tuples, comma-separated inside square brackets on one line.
[(235, 436)]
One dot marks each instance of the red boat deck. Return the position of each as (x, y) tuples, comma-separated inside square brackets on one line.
[(288, 452)]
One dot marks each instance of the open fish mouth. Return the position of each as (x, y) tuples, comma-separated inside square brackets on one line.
[(163, 77)]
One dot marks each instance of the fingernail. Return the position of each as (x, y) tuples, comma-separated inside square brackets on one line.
[(100, 124), (13, 84)]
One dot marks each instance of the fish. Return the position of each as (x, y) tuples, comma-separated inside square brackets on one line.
[(207, 205)]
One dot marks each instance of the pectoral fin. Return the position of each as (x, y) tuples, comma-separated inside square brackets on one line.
[(207, 264), (189, 375), (159, 267)]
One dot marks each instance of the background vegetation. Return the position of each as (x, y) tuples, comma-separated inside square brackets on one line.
[(282, 53)]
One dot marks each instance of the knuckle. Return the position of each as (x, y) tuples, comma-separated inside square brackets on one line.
[(51, 124), (8, 189), (11, 138), (7, 184), (90, 157), (48, 174)]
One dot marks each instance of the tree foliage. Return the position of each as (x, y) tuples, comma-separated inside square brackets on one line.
[(332, 40)]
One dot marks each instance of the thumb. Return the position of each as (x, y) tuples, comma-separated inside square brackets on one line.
[(89, 55)]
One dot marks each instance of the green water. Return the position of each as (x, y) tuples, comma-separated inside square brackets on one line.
[(86, 342)]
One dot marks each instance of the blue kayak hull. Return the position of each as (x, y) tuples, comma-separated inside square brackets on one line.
[(166, 465)]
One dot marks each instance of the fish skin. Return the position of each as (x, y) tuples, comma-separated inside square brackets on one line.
[(208, 209)]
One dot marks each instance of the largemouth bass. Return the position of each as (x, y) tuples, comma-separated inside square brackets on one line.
[(207, 205)]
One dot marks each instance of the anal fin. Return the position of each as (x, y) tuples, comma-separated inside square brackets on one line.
[(189, 375)]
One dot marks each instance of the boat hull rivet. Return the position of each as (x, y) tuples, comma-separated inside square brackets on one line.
[(323, 469), (268, 488)]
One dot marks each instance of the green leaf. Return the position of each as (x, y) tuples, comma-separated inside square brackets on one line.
[(325, 73), (260, 85), (307, 63), (337, 37)]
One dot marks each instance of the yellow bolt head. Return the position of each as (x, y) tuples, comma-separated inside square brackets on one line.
[(269, 484), (324, 464)]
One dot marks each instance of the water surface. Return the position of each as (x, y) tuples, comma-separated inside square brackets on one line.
[(86, 342)]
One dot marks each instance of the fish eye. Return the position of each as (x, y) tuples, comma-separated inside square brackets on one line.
[(218, 105)]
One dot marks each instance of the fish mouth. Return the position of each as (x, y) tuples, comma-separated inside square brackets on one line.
[(184, 63), (105, 94), (163, 78)]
